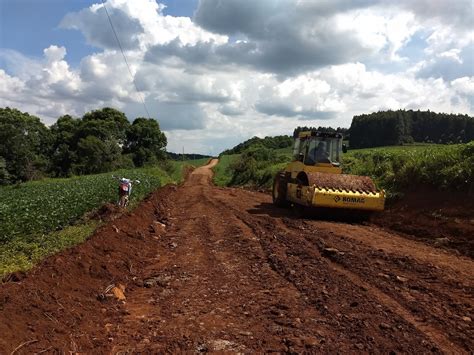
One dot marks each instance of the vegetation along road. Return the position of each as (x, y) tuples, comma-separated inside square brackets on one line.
[(202, 268)]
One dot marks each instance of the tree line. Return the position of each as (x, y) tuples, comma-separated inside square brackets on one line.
[(276, 142), (100, 141), (383, 128), (187, 156), (343, 131), (400, 127)]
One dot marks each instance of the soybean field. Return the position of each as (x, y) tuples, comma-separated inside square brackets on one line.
[(44, 206)]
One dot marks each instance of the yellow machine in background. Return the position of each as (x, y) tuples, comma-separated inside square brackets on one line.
[(315, 179)]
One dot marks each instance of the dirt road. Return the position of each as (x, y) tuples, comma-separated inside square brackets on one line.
[(214, 269)]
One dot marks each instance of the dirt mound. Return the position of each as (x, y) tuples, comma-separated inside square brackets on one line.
[(443, 219), (105, 213), (342, 181), (187, 170), (59, 303)]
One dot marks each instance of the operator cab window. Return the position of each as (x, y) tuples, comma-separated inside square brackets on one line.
[(322, 150)]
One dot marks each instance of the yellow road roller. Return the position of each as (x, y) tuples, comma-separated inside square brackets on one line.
[(314, 178)]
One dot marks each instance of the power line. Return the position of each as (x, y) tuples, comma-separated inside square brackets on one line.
[(125, 59)]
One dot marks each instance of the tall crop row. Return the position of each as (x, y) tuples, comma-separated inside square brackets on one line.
[(448, 167)]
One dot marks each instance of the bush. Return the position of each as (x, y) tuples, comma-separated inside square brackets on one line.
[(4, 176), (256, 166)]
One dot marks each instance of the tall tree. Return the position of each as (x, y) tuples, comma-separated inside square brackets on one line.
[(96, 156), (4, 175), (105, 123), (25, 143), (145, 141), (64, 152)]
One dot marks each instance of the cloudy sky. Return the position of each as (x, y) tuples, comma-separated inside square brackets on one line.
[(216, 72)]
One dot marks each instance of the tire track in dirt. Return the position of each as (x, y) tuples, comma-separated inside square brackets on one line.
[(180, 280), (379, 238), (434, 334), (430, 321), (432, 295), (323, 320), (302, 279)]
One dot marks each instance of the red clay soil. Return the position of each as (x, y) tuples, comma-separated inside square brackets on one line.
[(213, 269), (443, 219)]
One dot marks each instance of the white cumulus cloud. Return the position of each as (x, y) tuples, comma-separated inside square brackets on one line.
[(240, 68)]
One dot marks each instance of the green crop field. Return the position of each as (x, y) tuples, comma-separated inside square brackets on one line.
[(44, 206), (398, 168), (41, 217)]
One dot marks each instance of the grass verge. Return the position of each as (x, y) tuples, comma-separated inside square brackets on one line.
[(21, 254), (222, 171)]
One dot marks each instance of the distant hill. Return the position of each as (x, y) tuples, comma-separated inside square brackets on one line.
[(177, 156)]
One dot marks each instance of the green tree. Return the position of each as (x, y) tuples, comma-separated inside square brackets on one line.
[(96, 156), (268, 142), (145, 141), (109, 126), (104, 124), (25, 144), (75, 148), (254, 166), (399, 127), (4, 175), (65, 133)]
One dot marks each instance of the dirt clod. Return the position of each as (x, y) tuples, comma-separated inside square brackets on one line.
[(384, 326), (401, 279)]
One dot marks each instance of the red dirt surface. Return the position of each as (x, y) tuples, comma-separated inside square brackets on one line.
[(439, 218), (214, 269)]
